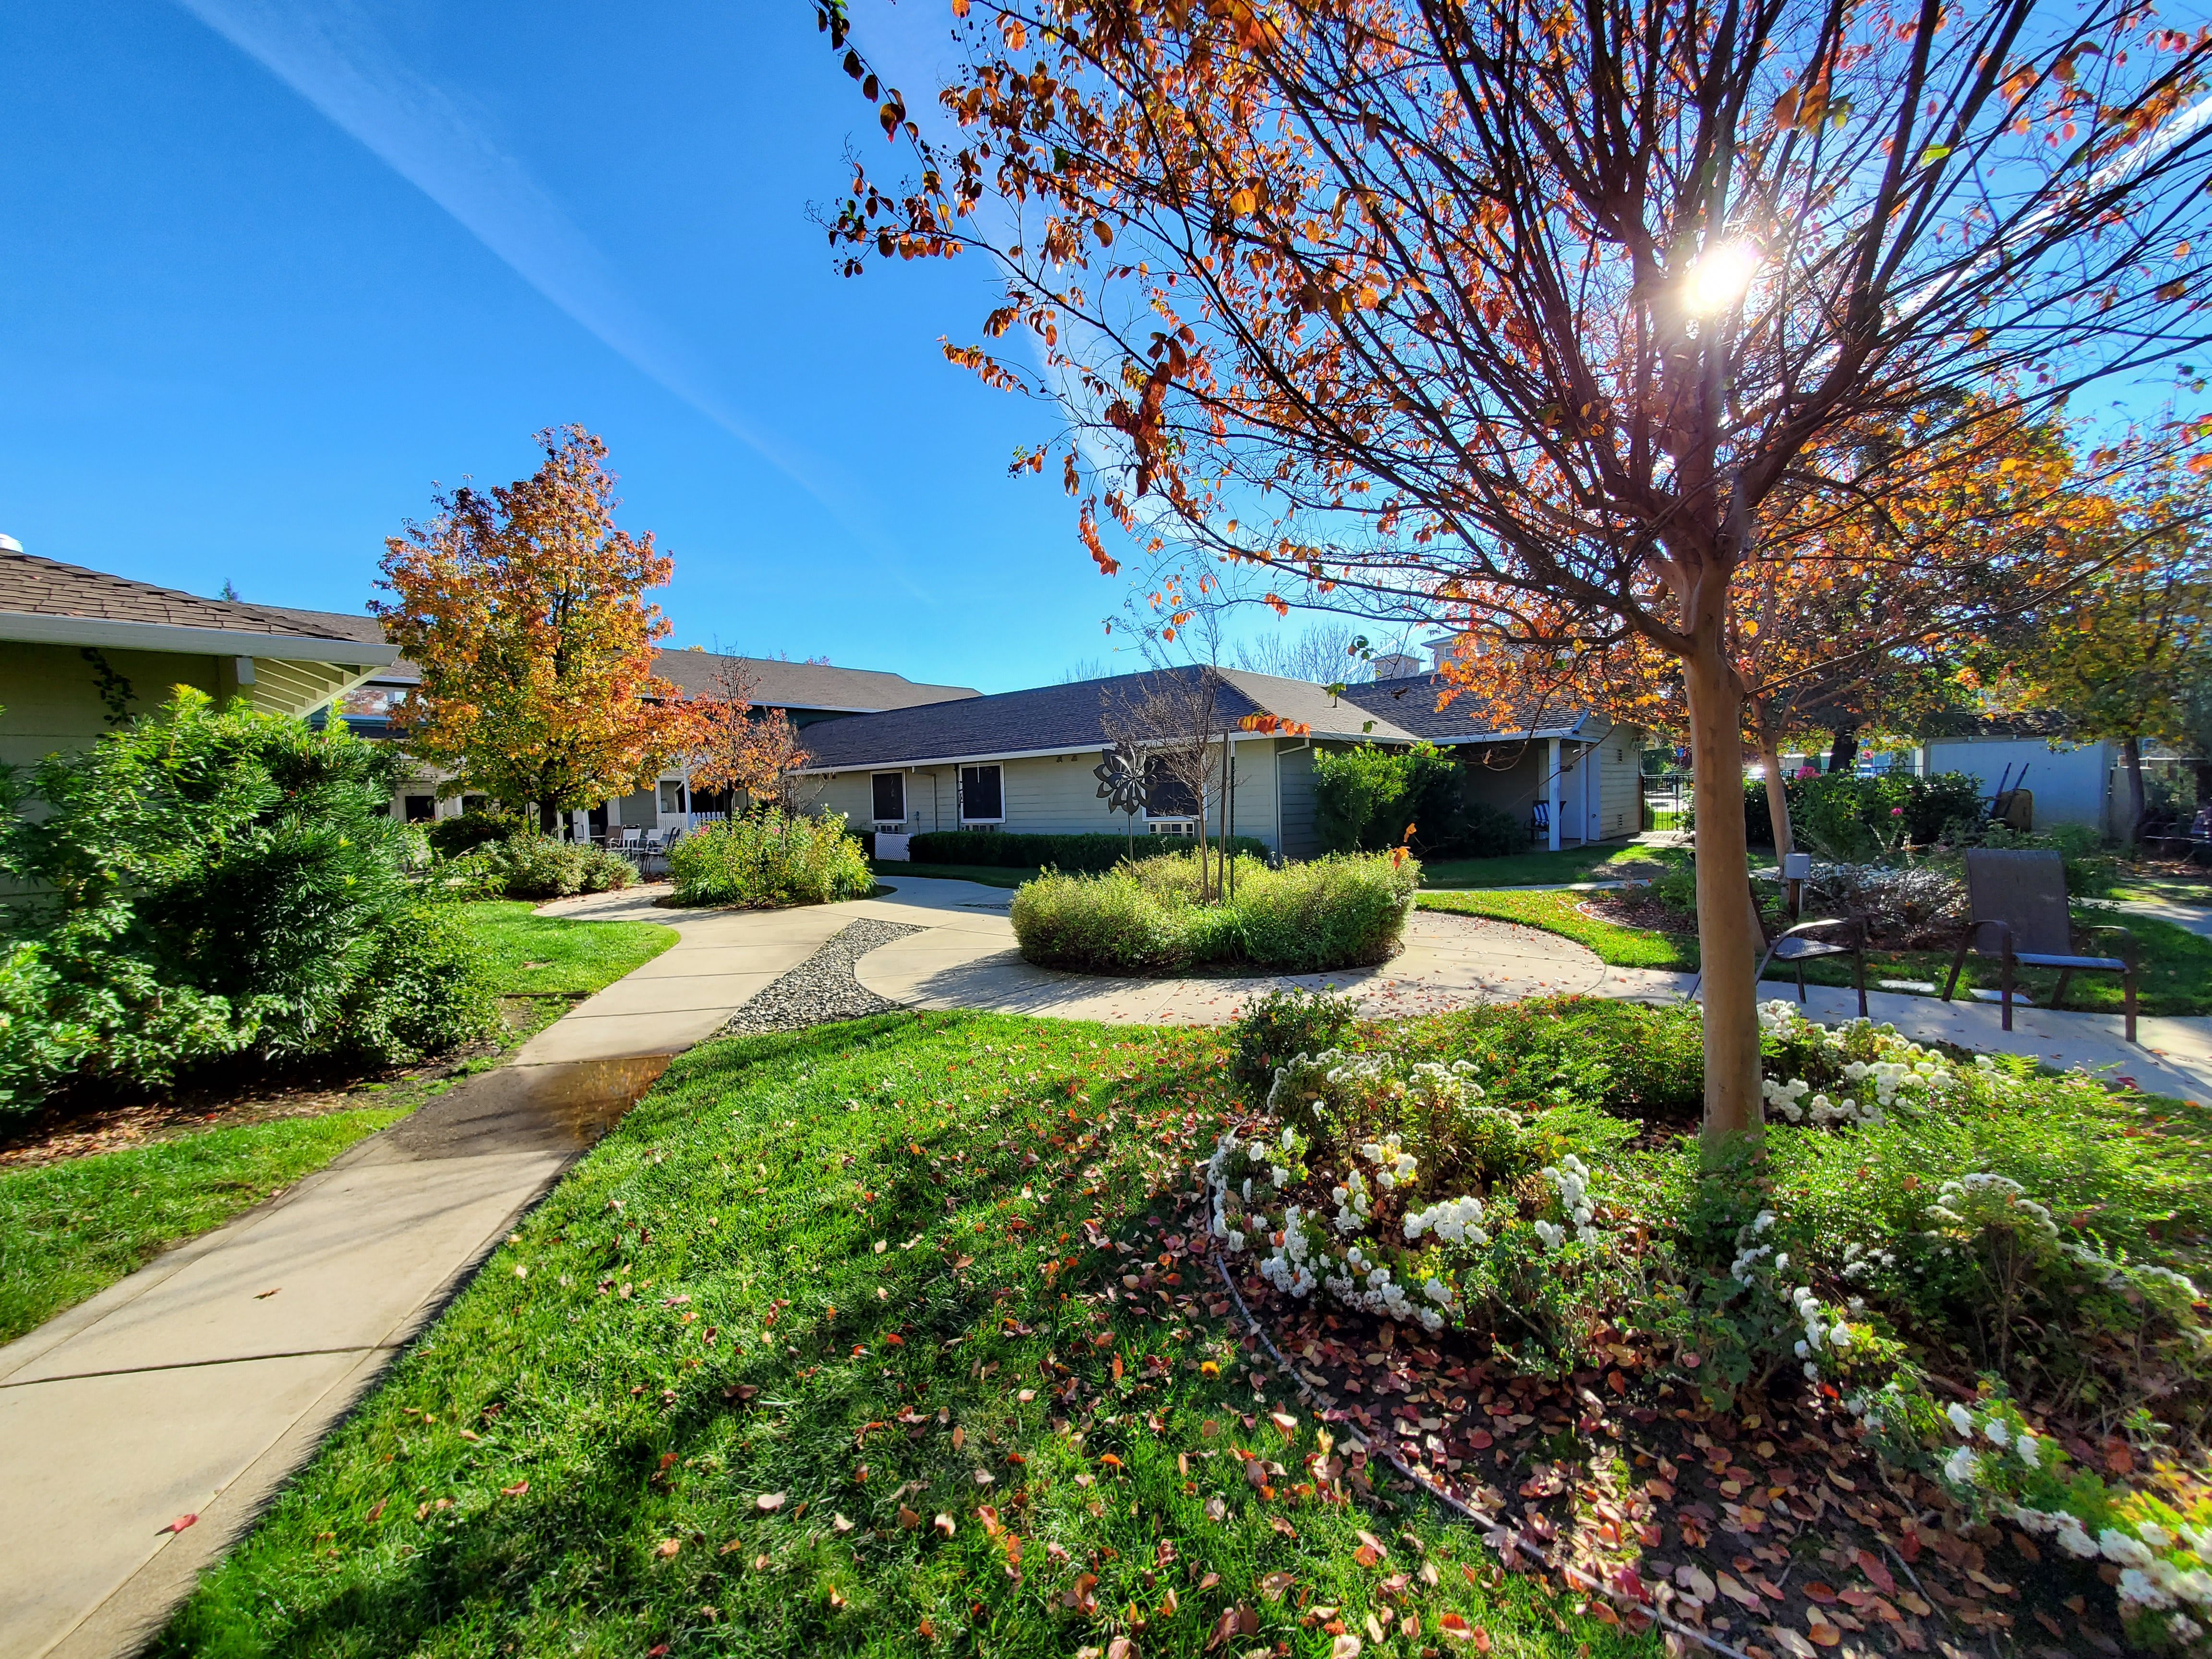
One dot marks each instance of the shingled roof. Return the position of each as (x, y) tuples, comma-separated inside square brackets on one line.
[(806, 685), (1410, 701), (1058, 718), (33, 587)]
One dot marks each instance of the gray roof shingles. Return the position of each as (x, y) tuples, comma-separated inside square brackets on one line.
[(1050, 719), (1411, 701)]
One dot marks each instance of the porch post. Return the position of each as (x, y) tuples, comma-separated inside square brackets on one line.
[(1551, 810)]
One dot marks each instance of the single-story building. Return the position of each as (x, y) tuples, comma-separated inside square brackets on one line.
[(1022, 761), (81, 652)]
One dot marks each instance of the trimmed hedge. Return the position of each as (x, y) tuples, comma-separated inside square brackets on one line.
[(1347, 910), (1092, 854), (770, 858)]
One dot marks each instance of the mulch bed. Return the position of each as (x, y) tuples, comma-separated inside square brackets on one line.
[(1769, 1529)]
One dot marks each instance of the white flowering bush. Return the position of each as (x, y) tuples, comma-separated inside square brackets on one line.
[(1872, 1070), (1989, 1458)]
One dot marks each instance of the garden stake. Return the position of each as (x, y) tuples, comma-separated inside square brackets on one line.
[(1321, 1404)]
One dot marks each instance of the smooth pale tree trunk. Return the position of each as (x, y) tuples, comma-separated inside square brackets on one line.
[(2131, 757), (1726, 931), (1777, 798)]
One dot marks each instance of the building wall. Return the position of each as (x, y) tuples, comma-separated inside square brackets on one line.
[(49, 695), (1620, 798), (2069, 785), (1049, 795)]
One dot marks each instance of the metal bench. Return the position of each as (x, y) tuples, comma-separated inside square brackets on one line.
[(2018, 905), (1796, 946)]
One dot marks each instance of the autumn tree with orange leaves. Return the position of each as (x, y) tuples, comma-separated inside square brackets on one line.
[(524, 608), (740, 746), (1403, 300)]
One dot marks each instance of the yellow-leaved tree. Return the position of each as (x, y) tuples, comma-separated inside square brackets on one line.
[(523, 606)]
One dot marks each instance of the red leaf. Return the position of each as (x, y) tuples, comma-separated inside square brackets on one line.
[(1877, 1573), (180, 1523)]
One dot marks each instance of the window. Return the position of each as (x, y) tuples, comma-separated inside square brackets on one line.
[(1169, 826), (671, 796), (421, 809), (1167, 795), (890, 797), (983, 796)]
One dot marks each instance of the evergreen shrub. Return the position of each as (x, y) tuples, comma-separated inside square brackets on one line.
[(207, 883)]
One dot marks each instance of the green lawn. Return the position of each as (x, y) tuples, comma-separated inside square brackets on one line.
[(545, 955), (878, 1338), (1606, 861), (1561, 913), (990, 875), (70, 1229)]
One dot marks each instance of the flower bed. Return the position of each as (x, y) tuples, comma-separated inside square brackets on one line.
[(1908, 1217), (1343, 911)]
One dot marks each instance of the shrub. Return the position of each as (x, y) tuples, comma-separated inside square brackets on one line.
[(1091, 853), (770, 858), (1851, 819), (1908, 909), (422, 993), (1337, 912), (450, 838), (531, 866), (210, 883), (1283, 1023), (1366, 798)]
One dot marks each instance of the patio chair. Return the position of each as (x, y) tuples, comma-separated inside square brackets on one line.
[(2019, 916), (1794, 947)]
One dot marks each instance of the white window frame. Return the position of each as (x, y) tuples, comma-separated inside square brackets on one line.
[(960, 788), (875, 777)]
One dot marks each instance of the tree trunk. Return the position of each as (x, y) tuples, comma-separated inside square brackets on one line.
[(1777, 798), (1843, 752), (2131, 757), (1725, 931)]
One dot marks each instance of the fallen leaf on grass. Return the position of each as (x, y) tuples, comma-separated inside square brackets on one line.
[(1345, 1646), (770, 1502), (1215, 1509), (1276, 1584), (668, 1547), (946, 1524), (841, 1523), (1120, 1648), (908, 1518), (514, 1490), (376, 1509)]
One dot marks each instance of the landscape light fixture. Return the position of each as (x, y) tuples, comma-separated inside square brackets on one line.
[(1718, 277)]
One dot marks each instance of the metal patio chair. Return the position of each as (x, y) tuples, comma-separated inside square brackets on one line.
[(1795, 946), (2019, 916)]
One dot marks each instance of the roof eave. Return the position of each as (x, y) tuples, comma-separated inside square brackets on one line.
[(37, 628)]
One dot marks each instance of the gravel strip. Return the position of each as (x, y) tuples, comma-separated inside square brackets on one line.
[(822, 987)]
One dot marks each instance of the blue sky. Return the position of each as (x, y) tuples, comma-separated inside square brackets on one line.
[(239, 338)]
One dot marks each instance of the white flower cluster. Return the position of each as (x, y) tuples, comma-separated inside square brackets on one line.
[(1393, 1163), (1280, 1155), (1440, 1088), (1860, 1261), (1353, 1203), (1217, 1180), (1784, 1097), (1981, 1188), (1455, 1220), (1904, 1075), (1570, 1178), (1823, 1331), (1328, 1081), (1288, 1268), (1368, 1285)]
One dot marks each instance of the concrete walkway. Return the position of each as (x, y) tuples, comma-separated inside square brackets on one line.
[(193, 1387)]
